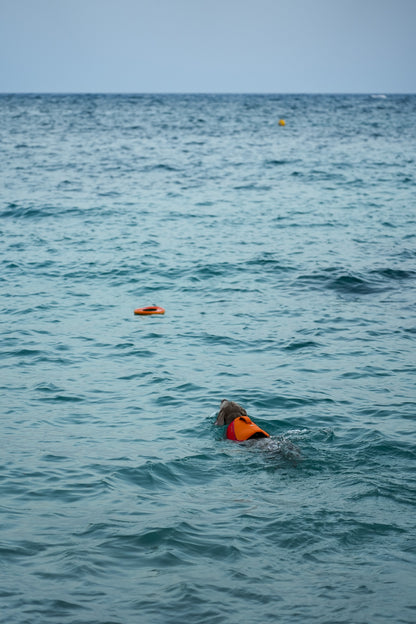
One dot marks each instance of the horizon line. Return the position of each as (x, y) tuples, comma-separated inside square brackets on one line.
[(208, 93)]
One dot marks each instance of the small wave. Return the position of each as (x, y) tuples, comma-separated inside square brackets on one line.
[(21, 549), (351, 284), (393, 274), (64, 398), (278, 162), (253, 187), (170, 545), (343, 282), (296, 345), (189, 470), (161, 167), (224, 340), (268, 263), (19, 211)]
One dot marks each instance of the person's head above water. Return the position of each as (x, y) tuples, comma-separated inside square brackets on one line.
[(239, 426)]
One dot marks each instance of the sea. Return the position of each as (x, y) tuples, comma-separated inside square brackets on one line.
[(278, 232)]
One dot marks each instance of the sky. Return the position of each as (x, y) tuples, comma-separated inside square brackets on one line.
[(208, 46)]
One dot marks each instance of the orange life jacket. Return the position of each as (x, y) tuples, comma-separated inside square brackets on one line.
[(242, 428)]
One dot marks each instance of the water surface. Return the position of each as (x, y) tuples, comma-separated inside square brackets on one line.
[(285, 260)]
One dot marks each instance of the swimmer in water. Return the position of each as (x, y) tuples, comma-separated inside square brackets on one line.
[(240, 427)]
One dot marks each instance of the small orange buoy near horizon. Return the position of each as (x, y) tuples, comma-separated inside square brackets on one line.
[(153, 309), (282, 122)]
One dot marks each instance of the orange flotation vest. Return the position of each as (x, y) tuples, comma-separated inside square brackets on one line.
[(243, 428)]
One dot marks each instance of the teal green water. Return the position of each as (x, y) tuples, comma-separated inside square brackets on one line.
[(285, 260)]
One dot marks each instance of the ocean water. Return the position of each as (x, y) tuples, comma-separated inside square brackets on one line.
[(285, 257)]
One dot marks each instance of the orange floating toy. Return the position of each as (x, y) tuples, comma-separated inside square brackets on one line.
[(154, 309)]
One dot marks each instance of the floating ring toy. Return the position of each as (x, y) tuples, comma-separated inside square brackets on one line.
[(149, 310)]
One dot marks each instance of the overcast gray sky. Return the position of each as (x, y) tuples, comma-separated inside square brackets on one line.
[(187, 46)]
